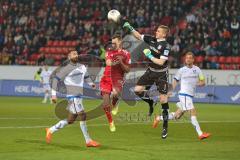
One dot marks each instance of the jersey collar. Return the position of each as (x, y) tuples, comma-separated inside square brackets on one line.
[(161, 39)]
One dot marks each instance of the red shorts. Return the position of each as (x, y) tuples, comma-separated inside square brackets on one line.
[(107, 85)]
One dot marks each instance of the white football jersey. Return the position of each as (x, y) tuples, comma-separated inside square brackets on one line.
[(45, 75), (73, 76), (76, 77), (188, 78)]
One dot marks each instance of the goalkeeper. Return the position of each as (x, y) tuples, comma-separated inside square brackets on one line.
[(157, 71)]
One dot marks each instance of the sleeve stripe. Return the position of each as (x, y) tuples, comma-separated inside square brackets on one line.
[(176, 79)]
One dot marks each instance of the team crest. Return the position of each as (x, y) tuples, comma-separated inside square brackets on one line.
[(159, 47)]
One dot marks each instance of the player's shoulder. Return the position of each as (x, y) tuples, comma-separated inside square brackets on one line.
[(109, 53), (82, 66), (196, 68), (165, 44), (148, 37), (182, 68)]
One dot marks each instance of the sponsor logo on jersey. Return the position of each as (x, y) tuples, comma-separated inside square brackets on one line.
[(166, 52)]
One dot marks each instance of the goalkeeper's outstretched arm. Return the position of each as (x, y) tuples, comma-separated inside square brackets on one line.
[(132, 30)]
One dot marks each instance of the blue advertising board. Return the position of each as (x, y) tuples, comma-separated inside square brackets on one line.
[(207, 94)]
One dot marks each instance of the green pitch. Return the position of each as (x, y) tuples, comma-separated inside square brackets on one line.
[(22, 135)]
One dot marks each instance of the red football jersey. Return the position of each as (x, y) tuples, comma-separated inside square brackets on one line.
[(116, 70)]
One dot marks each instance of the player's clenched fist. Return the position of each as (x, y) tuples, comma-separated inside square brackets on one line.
[(128, 26)]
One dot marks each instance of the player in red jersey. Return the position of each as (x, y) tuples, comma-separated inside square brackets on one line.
[(117, 64)]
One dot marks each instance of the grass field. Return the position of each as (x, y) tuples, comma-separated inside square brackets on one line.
[(22, 135)]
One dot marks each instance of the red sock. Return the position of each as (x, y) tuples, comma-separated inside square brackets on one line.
[(114, 101), (108, 113)]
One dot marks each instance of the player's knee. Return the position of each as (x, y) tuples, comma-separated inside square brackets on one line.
[(115, 93), (106, 108), (71, 121), (193, 112), (163, 99), (177, 116), (82, 116)]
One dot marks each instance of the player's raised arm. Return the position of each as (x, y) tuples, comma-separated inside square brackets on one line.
[(132, 30)]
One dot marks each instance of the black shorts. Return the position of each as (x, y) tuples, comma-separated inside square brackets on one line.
[(159, 78)]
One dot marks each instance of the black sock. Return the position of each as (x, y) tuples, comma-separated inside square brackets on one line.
[(165, 108), (145, 98)]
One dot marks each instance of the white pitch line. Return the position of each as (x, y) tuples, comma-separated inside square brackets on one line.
[(124, 124)]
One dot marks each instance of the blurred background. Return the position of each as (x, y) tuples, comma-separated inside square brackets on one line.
[(43, 31), (38, 33)]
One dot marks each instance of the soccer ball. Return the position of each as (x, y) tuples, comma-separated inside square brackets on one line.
[(114, 15)]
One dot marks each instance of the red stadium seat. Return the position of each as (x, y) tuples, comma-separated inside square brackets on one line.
[(221, 59), (55, 44), (58, 50), (74, 43), (213, 58), (57, 57), (67, 43), (199, 59), (34, 57), (236, 60), (42, 49), (228, 60), (64, 50), (50, 43), (61, 43)]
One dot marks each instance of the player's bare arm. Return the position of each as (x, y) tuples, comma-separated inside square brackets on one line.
[(174, 85), (89, 81)]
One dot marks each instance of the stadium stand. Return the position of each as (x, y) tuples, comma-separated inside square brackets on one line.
[(36, 32)]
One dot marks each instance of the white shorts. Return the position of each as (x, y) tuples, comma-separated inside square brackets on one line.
[(46, 87), (185, 103), (75, 105)]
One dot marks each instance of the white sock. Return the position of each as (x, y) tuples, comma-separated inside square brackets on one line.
[(170, 116), (59, 125), (196, 125), (84, 129), (45, 97)]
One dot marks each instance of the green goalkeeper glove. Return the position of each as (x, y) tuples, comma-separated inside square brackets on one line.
[(128, 26), (148, 53)]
